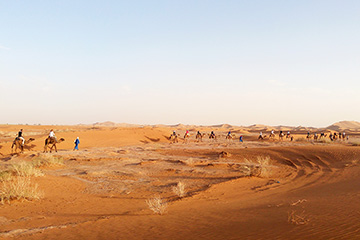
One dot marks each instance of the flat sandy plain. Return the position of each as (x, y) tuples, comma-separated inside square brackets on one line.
[(258, 189)]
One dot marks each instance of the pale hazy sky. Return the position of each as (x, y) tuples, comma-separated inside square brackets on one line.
[(204, 62)]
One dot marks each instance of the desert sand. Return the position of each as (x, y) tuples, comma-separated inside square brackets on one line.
[(256, 189)]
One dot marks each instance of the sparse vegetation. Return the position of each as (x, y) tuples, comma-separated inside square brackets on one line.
[(301, 139), (157, 205), (19, 188), (179, 189), (5, 176), (259, 168), (47, 160), (26, 169), (325, 140), (297, 219)]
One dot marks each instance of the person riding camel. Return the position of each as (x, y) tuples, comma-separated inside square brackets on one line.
[(260, 136), (52, 134), (21, 137), (212, 134)]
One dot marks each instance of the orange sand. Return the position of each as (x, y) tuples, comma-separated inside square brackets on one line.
[(310, 190)]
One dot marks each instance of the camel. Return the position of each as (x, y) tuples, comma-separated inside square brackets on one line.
[(272, 136), (186, 137), (212, 136), (173, 138), (281, 135), (335, 136), (50, 142), (308, 137), (288, 135), (322, 135), (199, 136), (18, 144), (229, 137)]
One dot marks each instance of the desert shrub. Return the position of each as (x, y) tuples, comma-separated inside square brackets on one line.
[(25, 169), (19, 188), (355, 143), (297, 218), (179, 189), (324, 140), (47, 160), (5, 176), (157, 205), (259, 168)]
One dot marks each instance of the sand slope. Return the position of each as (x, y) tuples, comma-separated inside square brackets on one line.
[(308, 190)]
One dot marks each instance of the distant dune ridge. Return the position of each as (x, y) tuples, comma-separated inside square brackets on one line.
[(345, 125), (352, 126)]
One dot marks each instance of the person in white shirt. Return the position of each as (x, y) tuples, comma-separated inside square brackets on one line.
[(52, 134)]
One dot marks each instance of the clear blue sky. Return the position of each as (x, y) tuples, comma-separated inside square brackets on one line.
[(193, 62)]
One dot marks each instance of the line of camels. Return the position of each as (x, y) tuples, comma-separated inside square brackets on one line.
[(50, 144), (199, 136), (174, 138)]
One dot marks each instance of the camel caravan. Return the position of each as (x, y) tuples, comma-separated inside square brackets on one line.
[(282, 136), (20, 143)]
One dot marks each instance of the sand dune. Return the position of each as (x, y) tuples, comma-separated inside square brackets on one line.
[(345, 126), (267, 189)]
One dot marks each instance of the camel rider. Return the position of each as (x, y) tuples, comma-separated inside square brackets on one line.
[(21, 137), (212, 134), (52, 134), (229, 133), (260, 136), (272, 132)]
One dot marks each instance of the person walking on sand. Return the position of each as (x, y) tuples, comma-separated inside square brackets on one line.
[(77, 142)]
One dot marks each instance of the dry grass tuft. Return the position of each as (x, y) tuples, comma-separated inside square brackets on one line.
[(301, 139), (297, 219), (324, 140), (25, 169), (355, 144), (19, 188), (298, 202), (47, 160), (259, 168), (157, 205), (5, 176), (179, 189), (224, 154)]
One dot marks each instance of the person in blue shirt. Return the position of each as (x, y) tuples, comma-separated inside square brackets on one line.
[(77, 142)]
